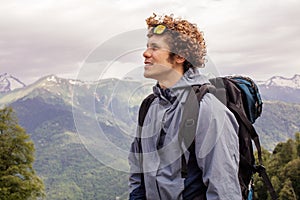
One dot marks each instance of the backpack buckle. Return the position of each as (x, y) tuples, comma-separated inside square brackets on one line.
[(189, 122), (259, 168)]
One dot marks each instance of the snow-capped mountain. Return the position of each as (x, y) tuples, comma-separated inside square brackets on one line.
[(280, 81), (9, 83), (280, 88)]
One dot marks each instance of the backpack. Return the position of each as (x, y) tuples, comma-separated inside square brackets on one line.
[(240, 94)]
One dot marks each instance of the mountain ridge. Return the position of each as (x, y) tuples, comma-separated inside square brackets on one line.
[(8, 83), (280, 81), (5, 84), (110, 96), (279, 88)]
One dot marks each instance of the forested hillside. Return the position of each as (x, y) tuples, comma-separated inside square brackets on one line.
[(283, 167), (279, 122)]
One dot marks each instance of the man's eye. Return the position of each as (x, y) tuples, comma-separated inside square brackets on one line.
[(154, 47)]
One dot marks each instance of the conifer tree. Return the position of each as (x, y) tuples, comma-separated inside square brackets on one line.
[(18, 180), (297, 136), (291, 171), (287, 192), (283, 167)]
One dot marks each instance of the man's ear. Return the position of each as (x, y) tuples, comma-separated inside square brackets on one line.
[(179, 59)]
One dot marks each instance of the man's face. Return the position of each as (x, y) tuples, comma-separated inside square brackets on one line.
[(157, 63)]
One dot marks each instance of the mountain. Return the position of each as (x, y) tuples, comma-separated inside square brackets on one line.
[(280, 88), (9, 83), (279, 81), (279, 121), (80, 129), (64, 119)]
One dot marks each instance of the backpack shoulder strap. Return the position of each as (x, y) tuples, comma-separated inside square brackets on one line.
[(144, 108), (188, 124), (141, 117)]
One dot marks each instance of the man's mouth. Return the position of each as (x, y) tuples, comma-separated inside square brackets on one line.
[(148, 64)]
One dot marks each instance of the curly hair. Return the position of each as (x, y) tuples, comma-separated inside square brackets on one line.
[(183, 37)]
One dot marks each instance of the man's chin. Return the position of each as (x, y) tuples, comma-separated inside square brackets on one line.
[(148, 75)]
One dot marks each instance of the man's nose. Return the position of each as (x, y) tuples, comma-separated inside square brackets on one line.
[(147, 53)]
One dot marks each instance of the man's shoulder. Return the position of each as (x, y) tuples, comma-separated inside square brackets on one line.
[(210, 103)]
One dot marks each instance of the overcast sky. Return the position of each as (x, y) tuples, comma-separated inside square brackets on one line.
[(250, 37)]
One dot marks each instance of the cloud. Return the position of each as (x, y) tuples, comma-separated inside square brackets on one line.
[(42, 37), (257, 39), (46, 38)]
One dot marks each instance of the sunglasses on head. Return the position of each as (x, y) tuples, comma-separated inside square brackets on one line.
[(159, 29)]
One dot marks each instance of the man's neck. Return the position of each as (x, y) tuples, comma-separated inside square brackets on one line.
[(170, 79), (170, 82)]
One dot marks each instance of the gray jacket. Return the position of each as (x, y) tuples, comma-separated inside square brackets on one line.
[(216, 146)]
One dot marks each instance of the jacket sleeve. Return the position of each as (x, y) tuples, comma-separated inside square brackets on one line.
[(136, 178), (217, 150)]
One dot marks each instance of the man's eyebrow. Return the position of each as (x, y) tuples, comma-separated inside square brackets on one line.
[(152, 44)]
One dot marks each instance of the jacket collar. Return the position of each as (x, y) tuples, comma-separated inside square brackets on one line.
[(189, 78)]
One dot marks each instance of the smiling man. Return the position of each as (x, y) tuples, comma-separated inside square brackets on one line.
[(158, 64), (163, 165)]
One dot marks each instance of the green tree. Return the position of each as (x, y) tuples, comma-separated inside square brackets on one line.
[(283, 167), (291, 171), (297, 136), (18, 180), (287, 192)]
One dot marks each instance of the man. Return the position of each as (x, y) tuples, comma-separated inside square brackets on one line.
[(175, 49)]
